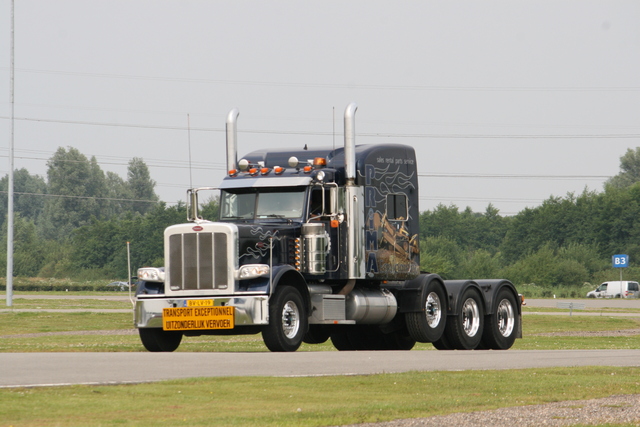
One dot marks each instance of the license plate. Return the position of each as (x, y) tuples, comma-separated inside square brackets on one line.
[(198, 315)]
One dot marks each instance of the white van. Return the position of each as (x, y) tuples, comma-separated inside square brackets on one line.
[(616, 289)]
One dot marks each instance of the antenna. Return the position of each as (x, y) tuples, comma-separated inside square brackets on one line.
[(334, 127), (189, 142)]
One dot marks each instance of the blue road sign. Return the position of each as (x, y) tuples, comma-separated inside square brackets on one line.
[(620, 261)]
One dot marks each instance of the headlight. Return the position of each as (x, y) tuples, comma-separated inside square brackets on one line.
[(251, 271), (151, 274)]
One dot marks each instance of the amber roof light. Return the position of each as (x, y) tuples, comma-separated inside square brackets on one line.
[(319, 161)]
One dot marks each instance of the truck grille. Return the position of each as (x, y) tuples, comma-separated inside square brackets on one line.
[(198, 261)]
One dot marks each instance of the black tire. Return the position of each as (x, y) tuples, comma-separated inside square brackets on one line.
[(317, 334), (362, 337), (502, 326), (366, 337), (288, 321), (370, 338), (340, 341), (429, 324), (443, 343), (156, 339), (399, 341), (464, 330)]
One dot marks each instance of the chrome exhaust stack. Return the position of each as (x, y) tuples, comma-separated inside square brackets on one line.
[(350, 143), (354, 199), (232, 144)]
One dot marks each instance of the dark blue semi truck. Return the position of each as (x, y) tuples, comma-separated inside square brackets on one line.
[(312, 245)]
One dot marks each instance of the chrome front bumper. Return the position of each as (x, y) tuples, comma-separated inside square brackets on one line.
[(249, 310)]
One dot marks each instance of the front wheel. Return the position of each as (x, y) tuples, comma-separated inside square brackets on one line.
[(502, 326), (156, 339), (288, 321)]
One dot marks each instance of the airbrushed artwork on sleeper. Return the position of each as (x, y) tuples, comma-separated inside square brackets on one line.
[(391, 216)]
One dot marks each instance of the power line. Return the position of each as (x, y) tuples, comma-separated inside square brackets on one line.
[(362, 134), (481, 199), (183, 164), (66, 196), (220, 166), (341, 85), (514, 176)]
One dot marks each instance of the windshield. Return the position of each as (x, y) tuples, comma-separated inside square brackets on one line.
[(262, 203)]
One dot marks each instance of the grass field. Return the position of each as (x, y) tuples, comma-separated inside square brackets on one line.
[(43, 331), (318, 401), (87, 331)]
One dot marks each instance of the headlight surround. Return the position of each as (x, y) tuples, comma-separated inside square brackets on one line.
[(151, 274), (251, 271)]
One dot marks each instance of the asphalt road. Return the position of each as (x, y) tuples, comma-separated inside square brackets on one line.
[(46, 369)]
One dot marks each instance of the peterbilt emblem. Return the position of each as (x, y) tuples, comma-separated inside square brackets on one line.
[(197, 228)]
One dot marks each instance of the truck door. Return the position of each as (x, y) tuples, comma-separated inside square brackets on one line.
[(323, 208)]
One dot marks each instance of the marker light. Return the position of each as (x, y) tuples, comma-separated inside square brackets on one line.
[(278, 170), (319, 161), (307, 169), (233, 172), (265, 171), (253, 171)]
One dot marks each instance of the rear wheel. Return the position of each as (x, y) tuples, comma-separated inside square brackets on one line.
[(287, 320), (464, 330), (443, 343), (428, 325), (370, 338), (317, 334), (156, 339), (399, 341), (340, 341), (502, 326)]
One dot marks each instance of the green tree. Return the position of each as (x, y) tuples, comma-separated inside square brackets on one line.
[(440, 255), (442, 221), (480, 264), (210, 209), (29, 191), (141, 186), (29, 250), (72, 182), (629, 170), (118, 192), (547, 267), (101, 246)]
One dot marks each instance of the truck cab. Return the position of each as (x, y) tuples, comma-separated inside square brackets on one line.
[(311, 245)]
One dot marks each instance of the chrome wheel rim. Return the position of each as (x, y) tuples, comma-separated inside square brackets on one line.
[(470, 317), (506, 318), (433, 310), (290, 319)]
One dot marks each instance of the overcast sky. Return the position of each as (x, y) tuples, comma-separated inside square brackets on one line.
[(506, 102)]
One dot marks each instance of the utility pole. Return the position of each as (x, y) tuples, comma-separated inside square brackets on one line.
[(10, 189)]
